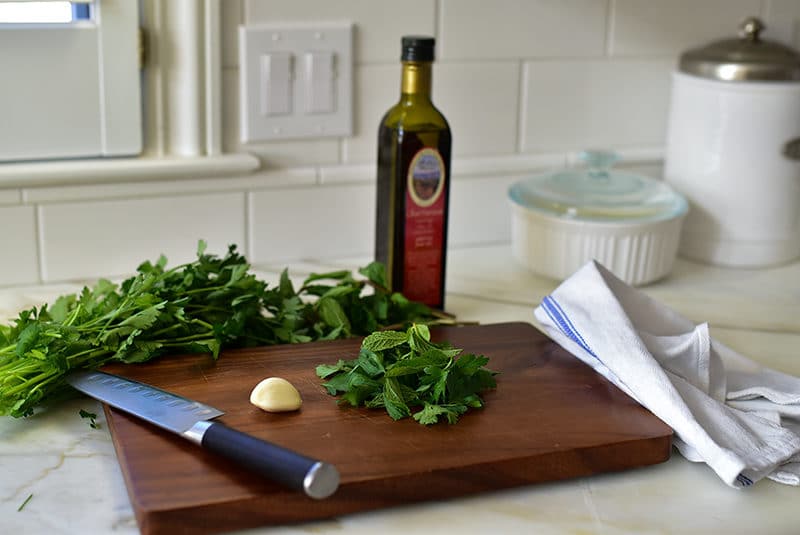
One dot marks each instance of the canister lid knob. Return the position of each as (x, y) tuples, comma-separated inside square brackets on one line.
[(750, 29), (748, 58)]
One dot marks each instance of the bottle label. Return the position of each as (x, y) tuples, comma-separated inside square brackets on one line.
[(423, 275)]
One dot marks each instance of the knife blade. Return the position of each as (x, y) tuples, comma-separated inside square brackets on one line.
[(191, 420)]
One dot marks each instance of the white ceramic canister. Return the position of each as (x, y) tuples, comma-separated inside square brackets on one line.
[(733, 150)]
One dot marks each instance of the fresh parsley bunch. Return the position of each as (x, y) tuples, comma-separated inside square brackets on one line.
[(403, 370), (203, 306)]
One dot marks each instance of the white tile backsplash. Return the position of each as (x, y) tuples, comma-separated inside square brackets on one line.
[(647, 27), (10, 196), (291, 177), (20, 264), (376, 89), (595, 104), (379, 24), (525, 85), (479, 210), (348, 174), (94, 239), (783, 22), (477, 29), (473, 96), (479, 101), (312, 223)]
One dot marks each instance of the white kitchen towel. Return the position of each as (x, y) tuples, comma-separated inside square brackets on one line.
[(726, 410)]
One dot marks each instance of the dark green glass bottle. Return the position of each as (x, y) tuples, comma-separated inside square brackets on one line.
[(414, 145)]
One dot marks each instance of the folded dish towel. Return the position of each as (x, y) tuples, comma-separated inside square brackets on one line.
[(740, 418)]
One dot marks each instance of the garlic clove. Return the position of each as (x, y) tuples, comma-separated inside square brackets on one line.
[(276, 394)]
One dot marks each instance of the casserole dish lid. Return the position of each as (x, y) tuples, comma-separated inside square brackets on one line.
[(598, 193)]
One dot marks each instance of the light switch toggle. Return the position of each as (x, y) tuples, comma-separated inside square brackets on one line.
[(320, 84), (276, 83)]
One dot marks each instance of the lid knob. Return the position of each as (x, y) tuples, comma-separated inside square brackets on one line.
[(599, 162), (750, 28)]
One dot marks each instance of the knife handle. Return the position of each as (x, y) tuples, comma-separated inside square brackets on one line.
[(316, 479)]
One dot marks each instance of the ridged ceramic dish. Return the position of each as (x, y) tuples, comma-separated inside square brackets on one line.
[(631, 224)]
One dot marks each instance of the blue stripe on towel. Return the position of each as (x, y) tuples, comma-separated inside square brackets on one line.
[(744, 480), (560, 318)]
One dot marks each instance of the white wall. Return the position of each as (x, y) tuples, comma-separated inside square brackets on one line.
[(525, 84)]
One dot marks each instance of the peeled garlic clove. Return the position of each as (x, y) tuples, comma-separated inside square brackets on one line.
[(276, 394)]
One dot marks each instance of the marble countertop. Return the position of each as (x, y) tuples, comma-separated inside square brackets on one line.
[(70, 472)]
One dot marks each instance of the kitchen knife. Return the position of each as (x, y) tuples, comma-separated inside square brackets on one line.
[(191, 420)]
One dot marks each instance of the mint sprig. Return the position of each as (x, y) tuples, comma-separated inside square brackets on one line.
[(404, 371)]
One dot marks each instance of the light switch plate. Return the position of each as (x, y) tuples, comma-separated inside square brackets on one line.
[(313, 98)]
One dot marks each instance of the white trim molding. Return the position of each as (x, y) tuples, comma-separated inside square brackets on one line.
[(182, 77), (115, 170)]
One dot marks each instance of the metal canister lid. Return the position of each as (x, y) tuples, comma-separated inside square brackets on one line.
[(748, 58)]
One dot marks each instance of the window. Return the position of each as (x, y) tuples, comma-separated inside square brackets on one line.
[(70, 84), (38, 12)]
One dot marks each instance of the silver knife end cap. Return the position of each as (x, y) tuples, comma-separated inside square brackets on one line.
[(321, 481)]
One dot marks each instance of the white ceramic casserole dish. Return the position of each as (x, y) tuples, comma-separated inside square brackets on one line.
[(629, 223)]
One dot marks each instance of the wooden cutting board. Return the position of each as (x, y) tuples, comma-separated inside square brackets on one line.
[(551, 417)]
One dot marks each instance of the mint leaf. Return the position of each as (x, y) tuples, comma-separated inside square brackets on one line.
[(285, 287), (376, 273), (324, 370), (430, 413), (470, 364), (333, 314), (411, 365), (393, 399), (337, 383), (382, 340), (332, 275), (370, 362)]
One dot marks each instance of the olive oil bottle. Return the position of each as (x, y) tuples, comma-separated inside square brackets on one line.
[(414, 182)]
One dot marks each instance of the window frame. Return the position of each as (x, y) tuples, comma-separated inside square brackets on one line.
[(75, 90)]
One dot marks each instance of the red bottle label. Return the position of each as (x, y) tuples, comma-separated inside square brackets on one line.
[(423, 275)]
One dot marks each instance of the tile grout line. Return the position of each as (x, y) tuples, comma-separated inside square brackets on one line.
[(608, 46), (438, 23), (522, 104), (38, 222), (248, 224), (766, 8)]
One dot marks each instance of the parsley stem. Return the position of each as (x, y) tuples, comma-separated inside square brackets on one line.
[(25, 502)]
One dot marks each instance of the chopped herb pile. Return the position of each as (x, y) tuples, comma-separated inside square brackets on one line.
[(403, 370), (203, 306)]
